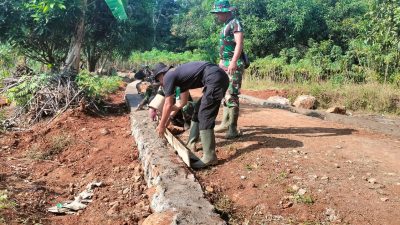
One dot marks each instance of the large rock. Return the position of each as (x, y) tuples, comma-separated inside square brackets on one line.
[(278, 100), (3, 101), (305, 102), (337, 110), (164, 218)]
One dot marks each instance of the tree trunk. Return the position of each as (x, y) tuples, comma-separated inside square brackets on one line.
[(74, 53), (92, 62)]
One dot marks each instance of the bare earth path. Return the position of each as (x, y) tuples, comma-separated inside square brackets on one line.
[(289, 168)]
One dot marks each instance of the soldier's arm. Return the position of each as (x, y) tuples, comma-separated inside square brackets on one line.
[(169, 102), (238, 51), (184, 96)]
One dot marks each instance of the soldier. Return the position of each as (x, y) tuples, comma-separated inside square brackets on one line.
[(191, 76), (230, 52)]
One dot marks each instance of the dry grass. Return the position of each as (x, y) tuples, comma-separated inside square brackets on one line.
[(57, 145), (370, 97)]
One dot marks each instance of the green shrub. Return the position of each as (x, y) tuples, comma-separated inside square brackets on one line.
[(23, 93), (5, 203), (96, 86), (154, 56)]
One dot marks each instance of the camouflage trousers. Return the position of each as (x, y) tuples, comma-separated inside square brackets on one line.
[(235, 83)]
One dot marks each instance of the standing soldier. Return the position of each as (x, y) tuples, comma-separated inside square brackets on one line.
[(230, 51)]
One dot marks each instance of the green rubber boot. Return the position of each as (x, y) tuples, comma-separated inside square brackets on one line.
[(209, 157), (233, 131), (224, 123), (193, 136)]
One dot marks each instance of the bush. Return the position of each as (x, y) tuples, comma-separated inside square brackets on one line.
[(23, 93), (97, 87), (138, 59)]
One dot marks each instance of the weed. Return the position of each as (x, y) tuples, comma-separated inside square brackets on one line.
[(5, 203), (311, 223), (3, 117), (224, 204), (305, 199), (290, 190), (57, 144), (370, 97), (249, 167), (282, 175), (34, 152)]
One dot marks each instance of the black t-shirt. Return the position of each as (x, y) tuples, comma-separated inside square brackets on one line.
[(187, 76)]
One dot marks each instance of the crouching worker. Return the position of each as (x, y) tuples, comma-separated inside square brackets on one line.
[(191, 76)]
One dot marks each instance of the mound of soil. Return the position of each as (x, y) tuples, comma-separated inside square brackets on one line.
[(50, 164)]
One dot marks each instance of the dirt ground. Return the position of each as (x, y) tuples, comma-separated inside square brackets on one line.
[(285, 169), (292, 169), (53, 163)]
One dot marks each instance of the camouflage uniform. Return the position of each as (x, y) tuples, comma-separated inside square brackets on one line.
[(226, 51), (227, 46)]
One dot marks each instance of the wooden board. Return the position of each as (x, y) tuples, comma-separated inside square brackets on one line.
[(179, 147)]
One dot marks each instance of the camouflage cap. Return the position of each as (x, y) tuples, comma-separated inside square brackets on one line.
[(221, 6)]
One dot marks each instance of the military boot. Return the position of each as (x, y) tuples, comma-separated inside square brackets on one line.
[(233, 131), (209, 157), (224, 123), (193, 136)]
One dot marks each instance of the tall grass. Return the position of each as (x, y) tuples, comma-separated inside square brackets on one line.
[(365, 97)]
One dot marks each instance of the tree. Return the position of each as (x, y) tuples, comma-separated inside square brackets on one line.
[(42, 37)]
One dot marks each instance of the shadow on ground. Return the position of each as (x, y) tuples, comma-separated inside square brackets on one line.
[(260, 134)]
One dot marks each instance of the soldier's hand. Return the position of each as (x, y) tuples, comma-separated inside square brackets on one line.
[(153, 114), (232, 68), (160, 130)]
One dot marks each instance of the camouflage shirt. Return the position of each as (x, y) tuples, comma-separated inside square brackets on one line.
[(227, 42)]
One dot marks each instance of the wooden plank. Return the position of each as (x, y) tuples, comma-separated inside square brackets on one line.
[(179, 147)]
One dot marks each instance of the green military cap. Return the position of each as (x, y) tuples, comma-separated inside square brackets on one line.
[(221, 6)]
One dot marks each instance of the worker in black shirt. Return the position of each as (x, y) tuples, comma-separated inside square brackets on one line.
[(191, 76)]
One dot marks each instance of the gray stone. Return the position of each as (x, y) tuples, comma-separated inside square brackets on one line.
[(278, 100), (305, 102), (302, 191), (384, 199), (125, 191), (104, 131), (372, 180), (337, 110), (175, 189)]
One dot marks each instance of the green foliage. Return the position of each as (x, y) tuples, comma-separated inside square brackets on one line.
[(7, 61), (154, 56), (24, 92), (3, 117), (97, 87), (43, 8), (305, 199), (5, 203)]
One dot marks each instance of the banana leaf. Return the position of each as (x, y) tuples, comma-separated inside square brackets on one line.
[(117, 8)]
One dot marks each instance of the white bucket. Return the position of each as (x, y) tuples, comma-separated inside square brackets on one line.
[(158, 102)]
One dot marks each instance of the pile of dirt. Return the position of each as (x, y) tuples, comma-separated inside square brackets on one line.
[(50, 164)]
